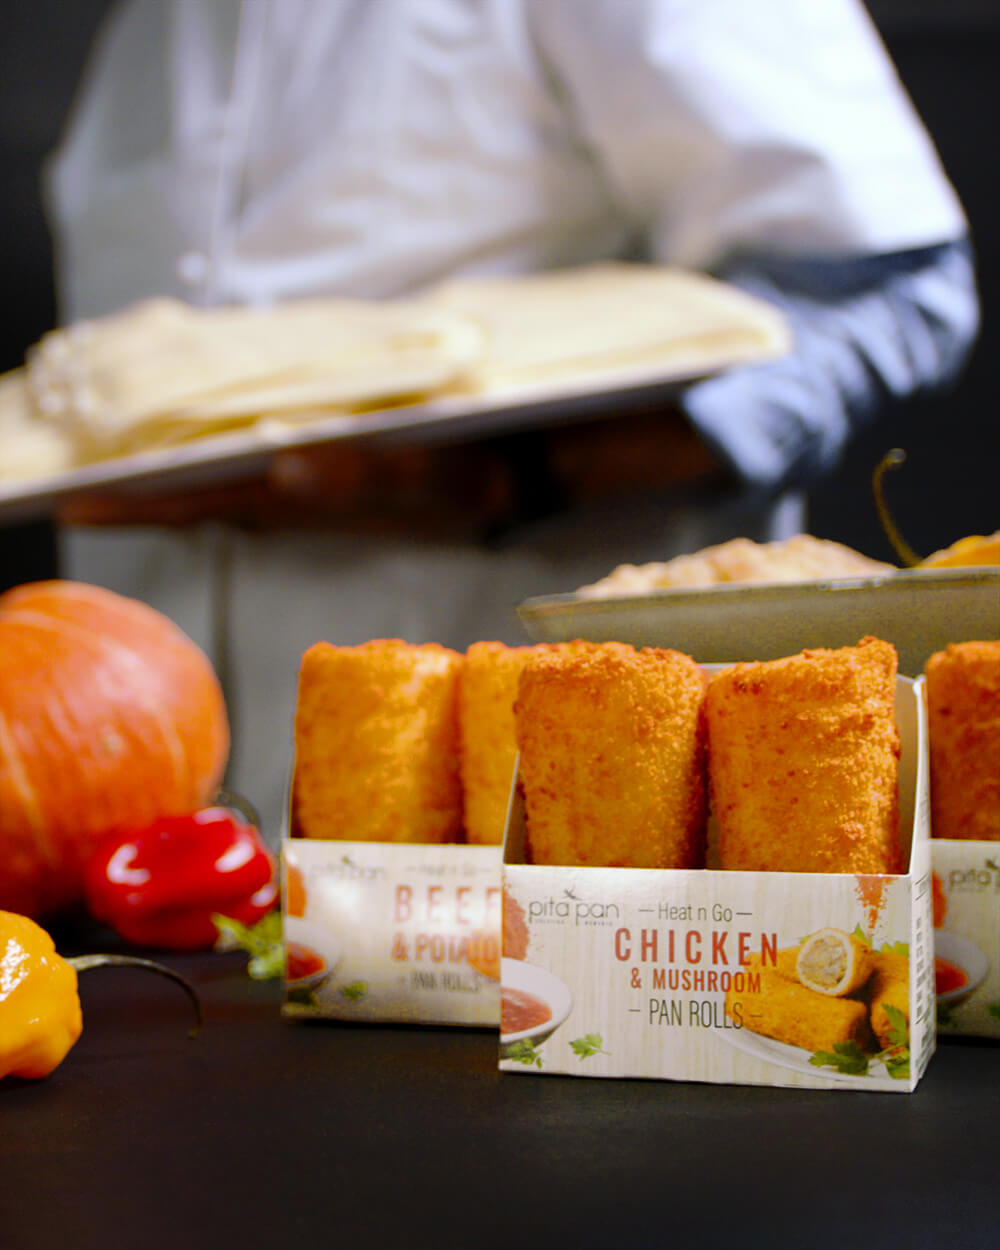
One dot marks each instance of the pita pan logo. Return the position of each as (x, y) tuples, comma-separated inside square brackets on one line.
[(348, 870), (570, 908), (976, 880)]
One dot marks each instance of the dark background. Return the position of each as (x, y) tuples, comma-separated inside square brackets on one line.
[(947, 53)]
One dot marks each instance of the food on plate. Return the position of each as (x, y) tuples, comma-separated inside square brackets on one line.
[(160, 373), (830, 991), (40, 1015), (376, 743), (833, 962), (486, 693), (780, 1007), (521, 1011), (161, 886), (29, 447), (976, 549), (302, 963), (612, 751), (601, 320), (797, 559), (948, 977), (888, 994), (110, 718), (963, 706), (804, 759)]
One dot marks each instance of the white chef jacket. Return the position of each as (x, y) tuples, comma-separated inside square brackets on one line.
[(229, 152)]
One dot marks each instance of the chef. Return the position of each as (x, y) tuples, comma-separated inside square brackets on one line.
[(230, 152)]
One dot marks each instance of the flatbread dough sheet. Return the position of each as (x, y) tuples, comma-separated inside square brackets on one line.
[(160, 371), (29, 447), (161, 374), (604, 320)]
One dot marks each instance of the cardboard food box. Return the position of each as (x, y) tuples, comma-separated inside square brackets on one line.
[(378, 931), (967, 936), (671, 974)]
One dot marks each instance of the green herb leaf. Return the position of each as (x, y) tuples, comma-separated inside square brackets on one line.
[(896, 948), (896, 1055), (897, 1064), (846, 1057), (304, 997), (262, 941), (355, 991), (899, 1030), (994, 1010), (589, 1044), (524, 1052)]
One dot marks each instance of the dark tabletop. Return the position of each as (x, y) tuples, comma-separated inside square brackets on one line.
[(266, 1132)]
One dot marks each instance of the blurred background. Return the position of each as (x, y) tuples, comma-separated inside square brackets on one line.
[(947, 53)]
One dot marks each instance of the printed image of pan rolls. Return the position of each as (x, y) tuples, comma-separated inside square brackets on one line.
[(963, 706), (486, 692), (788, 1012), (889, 987), (612, 745), (833, 962), (804, 762), (376, 743)]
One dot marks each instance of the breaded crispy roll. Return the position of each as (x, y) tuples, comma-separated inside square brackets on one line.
[(833, 962), (612, 756), (888, 994), (376, 743), (963, 705), (775, 1006), (804, 761), (486, 693)]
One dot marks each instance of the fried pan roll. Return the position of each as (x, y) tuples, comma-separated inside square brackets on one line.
[(788, 1012), (889, 987), (833, 962), (613, 756), (376, 743), (963, 705), (804, 761), (486, 693)]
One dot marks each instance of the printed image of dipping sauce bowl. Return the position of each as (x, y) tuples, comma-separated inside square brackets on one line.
[(533, 1003), (311, 954), (960, 967)]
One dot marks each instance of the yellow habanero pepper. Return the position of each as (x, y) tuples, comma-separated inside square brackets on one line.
[(40, 1016)]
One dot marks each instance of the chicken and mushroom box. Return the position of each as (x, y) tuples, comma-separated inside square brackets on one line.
[(697, 972)]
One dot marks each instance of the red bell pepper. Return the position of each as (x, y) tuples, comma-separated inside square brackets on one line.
[(161, 886)]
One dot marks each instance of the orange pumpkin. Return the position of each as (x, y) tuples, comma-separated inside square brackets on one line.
[(110, 717)]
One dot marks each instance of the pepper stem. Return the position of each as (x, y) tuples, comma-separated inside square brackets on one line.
[(82, 963), (892, 460), (237, 803)]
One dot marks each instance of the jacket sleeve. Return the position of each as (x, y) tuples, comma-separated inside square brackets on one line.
[(868, 331), (774, 146)]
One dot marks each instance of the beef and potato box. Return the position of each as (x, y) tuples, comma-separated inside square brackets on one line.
[(392, 933), (391, 872), (817, 979)]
